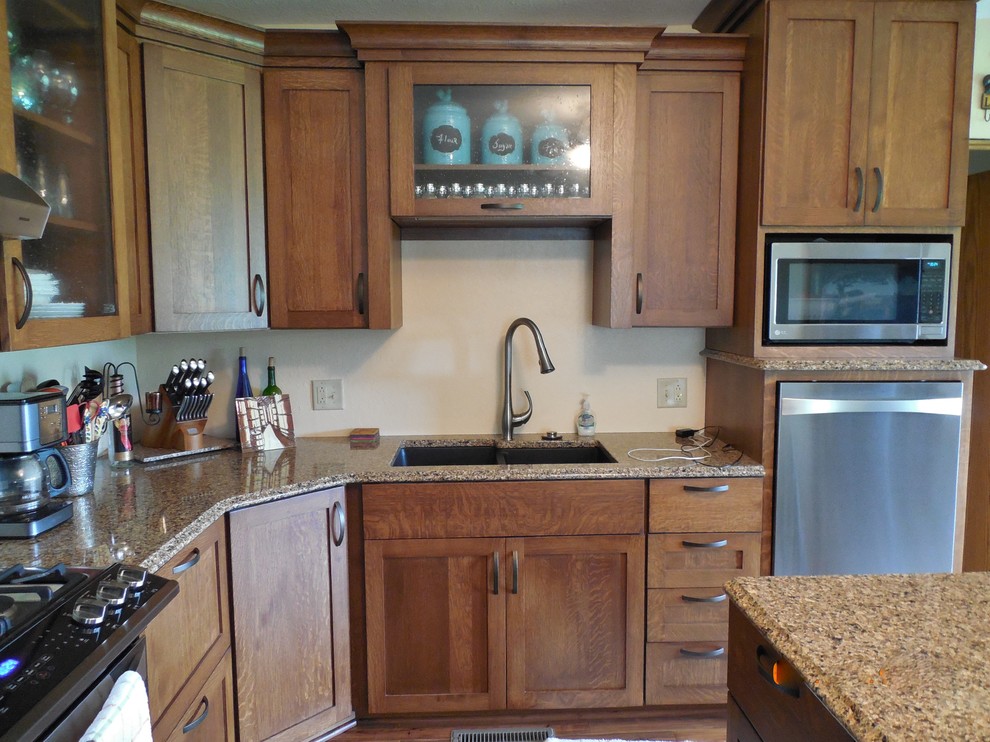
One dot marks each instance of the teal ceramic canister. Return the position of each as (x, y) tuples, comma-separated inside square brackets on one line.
[(550, 142), (446, 132), (501, 137)]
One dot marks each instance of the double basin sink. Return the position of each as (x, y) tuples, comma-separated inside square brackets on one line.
[(483, 455)]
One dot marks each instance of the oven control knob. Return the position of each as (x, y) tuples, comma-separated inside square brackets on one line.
[(89, 611), (112, 591), (132, 577)]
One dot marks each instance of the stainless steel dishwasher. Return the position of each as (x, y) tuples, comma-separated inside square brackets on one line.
[(865, 477)]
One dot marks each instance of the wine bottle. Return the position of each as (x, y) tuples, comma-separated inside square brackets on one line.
[(272, 387), (243, 390)]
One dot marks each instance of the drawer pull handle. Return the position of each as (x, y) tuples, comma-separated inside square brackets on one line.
[(338, 524), (703, 654), (495, 573), (859, 189), (258, 288), (706, 545), (515, 573), (714, 488), (639, 293), (768, 669), (362, 290), (205, 703), (710, 599), (188, 564), (879, 200), (28, 293), (503, 207)]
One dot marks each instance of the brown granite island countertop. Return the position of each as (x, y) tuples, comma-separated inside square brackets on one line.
[(893, 657), (146, 514)]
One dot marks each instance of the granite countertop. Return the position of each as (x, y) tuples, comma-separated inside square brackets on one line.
[(853, 363), (147, 513), (894, 657)]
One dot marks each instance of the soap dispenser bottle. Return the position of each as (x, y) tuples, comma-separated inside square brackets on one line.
[(586, 420)]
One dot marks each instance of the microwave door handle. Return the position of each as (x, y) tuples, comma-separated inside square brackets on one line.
[(860, 187)]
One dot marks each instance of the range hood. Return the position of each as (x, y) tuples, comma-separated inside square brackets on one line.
[(23, 213)]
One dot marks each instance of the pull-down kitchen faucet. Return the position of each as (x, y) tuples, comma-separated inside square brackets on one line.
[(511, 420)]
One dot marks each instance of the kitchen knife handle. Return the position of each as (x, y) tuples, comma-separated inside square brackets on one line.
[(188, 564), (338, 525), (876, 204), (515, 573), (714, 488), (205, 703), (258, 291), (28, 293), (706, 545), (639, 293), (860, 185), (495, 572), (362, 290)]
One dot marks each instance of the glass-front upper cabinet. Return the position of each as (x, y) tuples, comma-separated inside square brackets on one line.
[(65, 287), (484, 140)]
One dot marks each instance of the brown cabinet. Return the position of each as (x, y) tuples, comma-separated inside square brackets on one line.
[(463, 616), (291, 648), (867, 113), (688, 562), (210, 717), (205, 191), (687, 134), (314, 157), (61, 134), (188, 640)]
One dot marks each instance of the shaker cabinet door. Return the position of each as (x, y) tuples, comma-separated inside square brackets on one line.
[(206, 191)]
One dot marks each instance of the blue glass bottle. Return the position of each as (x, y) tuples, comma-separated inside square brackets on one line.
[(243, 389)]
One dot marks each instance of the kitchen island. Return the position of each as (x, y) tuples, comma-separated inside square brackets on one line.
[(890, 657), (147, 513)]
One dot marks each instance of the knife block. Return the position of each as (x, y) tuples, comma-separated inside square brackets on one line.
[(182, 435)]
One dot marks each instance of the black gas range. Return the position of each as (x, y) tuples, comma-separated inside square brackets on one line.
[(66, 634)]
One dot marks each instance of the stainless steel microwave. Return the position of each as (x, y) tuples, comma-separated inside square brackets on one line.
[(835, 290)]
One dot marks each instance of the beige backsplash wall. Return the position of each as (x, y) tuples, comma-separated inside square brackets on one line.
[(441, 371)]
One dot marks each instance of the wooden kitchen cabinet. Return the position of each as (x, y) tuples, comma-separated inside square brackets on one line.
[(188, 641), (317, 241), (464, 616), (211, 716), (688, 562), (290, 607), (61, 134), (687, 135), (867, 113), (205, 191)]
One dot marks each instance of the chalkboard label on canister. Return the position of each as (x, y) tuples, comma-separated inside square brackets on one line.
[(446, 139)]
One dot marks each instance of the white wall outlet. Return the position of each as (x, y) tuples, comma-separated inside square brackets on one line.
[(671, 392), (328, 394)]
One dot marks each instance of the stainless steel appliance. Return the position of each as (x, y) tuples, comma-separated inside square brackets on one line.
[(846, 290), (866, 476), (66, 634), (32, 470)]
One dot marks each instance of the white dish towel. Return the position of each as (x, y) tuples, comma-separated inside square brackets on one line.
[(125, 716)]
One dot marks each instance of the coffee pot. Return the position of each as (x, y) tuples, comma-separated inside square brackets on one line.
[(32, 469), (29, 480)]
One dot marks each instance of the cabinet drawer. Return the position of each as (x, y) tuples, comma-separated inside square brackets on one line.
[(210, 717), (701, 559), (188, 638), (495, 509), (686, 672), (727, 504), (782, 709), (687, 614)]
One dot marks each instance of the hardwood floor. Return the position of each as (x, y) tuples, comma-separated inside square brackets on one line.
[(698, 724)]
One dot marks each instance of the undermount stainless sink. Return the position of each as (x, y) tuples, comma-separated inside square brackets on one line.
[(489, 455)]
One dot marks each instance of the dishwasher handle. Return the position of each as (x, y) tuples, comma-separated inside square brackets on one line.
[(951, 406)]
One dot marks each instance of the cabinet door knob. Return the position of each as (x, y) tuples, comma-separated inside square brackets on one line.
[(338, 524), (860, 185), (28, 293), (639, 293), (258, 292), (876, 204), (205, 703), (362, 290)]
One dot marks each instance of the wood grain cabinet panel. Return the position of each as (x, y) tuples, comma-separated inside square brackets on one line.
[(291, 645), (206, 191), (211, 717), (687, 614), (680, 672), (187, 640), (314, 156), (727, 504), (687, 138), (867, 113), (701, 559)]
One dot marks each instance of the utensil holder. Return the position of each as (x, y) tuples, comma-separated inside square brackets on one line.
[(181, 427)]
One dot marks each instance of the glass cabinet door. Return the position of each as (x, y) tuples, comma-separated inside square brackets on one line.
[(499, 140), (59, 95)]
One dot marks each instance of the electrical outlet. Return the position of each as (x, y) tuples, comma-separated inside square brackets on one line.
[(328, 394), (671, 392)]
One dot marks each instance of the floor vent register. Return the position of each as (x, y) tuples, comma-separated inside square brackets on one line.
[(507, 734)]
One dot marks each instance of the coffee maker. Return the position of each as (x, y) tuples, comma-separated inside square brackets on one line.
[(32, 470)]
